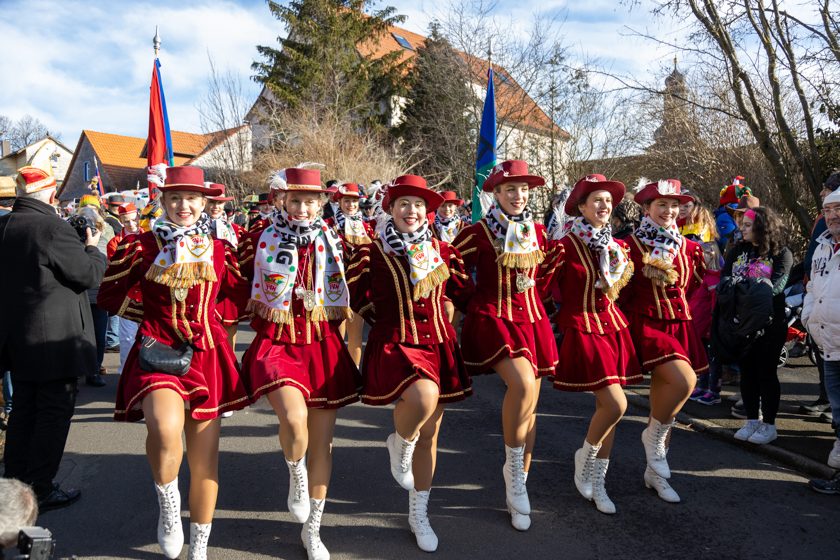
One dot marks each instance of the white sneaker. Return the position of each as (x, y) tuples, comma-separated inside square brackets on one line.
[(747, 430), (599, 490), (298, 500), (418, 520), (310, 534), (227, 414), (764, 434), (653, 439), (513, 472), (170, 532), (199, 535), (401, 453), (520, 522), (653, 480), (834, 456), (584, 463)]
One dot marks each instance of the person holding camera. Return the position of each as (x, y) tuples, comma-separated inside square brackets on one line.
[(46, 330), (181, 373)]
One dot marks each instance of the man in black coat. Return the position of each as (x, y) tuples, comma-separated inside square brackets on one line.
[(46, 330)]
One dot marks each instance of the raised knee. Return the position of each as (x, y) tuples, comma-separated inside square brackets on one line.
[(296, 420)]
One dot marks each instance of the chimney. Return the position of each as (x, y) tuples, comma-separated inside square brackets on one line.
[(5, 148)]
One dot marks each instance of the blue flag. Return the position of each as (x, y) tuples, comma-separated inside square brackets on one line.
[(486, 156)]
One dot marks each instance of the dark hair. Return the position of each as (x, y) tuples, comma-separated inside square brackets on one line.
[(768, 231)]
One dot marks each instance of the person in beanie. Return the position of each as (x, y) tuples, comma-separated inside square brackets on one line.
[(46, 330), (667, 267), (506, 328), (412, 358), (596, 353), (298, 359), (180, 270)]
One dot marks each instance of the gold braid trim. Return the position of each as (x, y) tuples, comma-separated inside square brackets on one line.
[(182, 275), (612, 291), (358, 240), (521, 260), (331, 313), (269, 313), (424, 287), (659, 272)]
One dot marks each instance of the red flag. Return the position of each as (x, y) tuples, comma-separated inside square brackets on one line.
[(156, 148)]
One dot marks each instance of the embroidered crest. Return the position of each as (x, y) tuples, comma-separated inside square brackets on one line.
[(273, 285), (418, 256), (335, 287), (197, 245)]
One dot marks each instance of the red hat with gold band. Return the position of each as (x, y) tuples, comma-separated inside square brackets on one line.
[(188, 178), (307, 180), (588, 185), (663, 188), (220, 197), (346, 189), (412, 185), (511, 171), (452, 196), (33, 179)]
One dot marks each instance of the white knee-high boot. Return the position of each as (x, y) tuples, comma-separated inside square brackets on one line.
[(310, 534), (514, 475), (170, 531), (401, 453), (418, 520), (584, 466), (298, 500), (199, 536), (599, 491), (653, 439)]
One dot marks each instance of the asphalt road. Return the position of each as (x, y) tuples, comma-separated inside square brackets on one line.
[(736, 504)]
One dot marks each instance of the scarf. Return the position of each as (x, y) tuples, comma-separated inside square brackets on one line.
[(665, 243), (276, 266), (613, 265), (427, 269), (447, 229), (222, 230), (353, 228), (521, 248), (186, 256)]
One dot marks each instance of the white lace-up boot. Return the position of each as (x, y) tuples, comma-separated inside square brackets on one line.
[(653, 438), (520, 522), (418, 520), (584, 464), (599, 491), (199, 535), (401, 452), (170, 532), (298, 501), (514, 474), (653, 480), (311, 532)]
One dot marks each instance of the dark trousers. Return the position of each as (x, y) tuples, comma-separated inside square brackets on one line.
[(759, 379), (100, 328), (37, 431)]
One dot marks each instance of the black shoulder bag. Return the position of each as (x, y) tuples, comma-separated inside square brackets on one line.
[(155, 356)]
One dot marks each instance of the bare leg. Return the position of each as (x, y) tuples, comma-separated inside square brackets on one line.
[(531, 439), (416, 405), (321, 425), (290, 407), (355, 331), (203, 458), (164, 412), (670, 386), (425, 454), (520, 399), (610, 405), (231, 333)]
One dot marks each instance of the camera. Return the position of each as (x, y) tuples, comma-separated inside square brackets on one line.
[(81, 223), (35, 543)]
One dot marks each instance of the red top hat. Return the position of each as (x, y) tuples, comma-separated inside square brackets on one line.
[(347, 189), (511, 171), (33, 179), (664, 188), (126, 208), (221, 197), (452, 196), (590, 184), (412, 185), (187, 178), (298, 179)]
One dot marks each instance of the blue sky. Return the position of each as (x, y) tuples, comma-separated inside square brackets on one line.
[(78, 64)]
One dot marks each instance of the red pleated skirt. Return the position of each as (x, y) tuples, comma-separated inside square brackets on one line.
[(210, 387), (388, 368), (589, 362), (658, 342), (323, 370), (486, 339)]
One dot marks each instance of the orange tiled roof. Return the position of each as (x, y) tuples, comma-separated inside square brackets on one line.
[(512, 102)]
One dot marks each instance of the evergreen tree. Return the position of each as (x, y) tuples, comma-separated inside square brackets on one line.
[(437, 123), (318, 62)]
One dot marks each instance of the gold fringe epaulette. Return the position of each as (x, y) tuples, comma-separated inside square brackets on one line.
[(269, 313), (182, 275), (434, 279), (659, 272), (521, 260), (613, 291)]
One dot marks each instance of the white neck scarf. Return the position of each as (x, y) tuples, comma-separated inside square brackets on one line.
[(427, 269), (186, 255), (614, 266), (521, 248), (223, 230), (352, 227), (447, 229), (665, 244)]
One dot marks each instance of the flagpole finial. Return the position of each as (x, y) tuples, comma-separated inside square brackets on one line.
[(490, 52), (156, 41)]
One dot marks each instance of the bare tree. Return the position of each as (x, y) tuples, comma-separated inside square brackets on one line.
[(22, 133)]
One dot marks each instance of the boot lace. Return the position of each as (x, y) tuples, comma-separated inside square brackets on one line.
[(406, 454), (198, 544), (299, 482), (421, 517), (166, 501), (589, 463), (599, 490), (517, 473), (313, 528), (659, 437)]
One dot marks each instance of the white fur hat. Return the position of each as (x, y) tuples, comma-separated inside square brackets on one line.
[(832, 198)]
